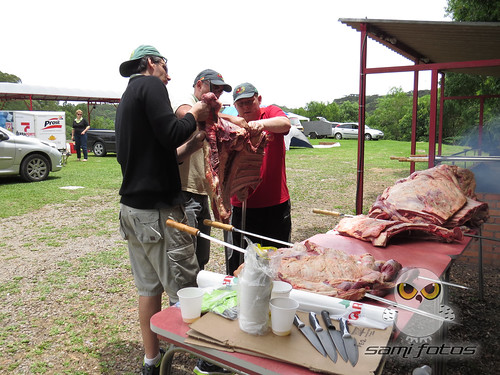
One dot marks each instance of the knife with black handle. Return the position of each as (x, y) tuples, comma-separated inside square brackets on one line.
[(309, 334), (324, 337), (349, 342), (334, 334)]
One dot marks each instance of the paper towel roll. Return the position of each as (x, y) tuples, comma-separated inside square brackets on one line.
[(355, 312)]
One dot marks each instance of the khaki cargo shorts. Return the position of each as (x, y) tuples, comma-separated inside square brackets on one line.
[(162, 258)]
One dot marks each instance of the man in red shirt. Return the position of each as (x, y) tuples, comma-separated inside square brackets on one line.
[(268, 206)]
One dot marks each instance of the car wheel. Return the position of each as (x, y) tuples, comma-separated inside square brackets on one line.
[(368, 137), (99, 149), (34, 168), (313, 135), (338, 136)]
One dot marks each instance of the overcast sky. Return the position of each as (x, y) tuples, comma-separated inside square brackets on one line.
[(293, 51)]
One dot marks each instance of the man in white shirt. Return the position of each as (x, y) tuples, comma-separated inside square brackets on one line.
[(192, 168)]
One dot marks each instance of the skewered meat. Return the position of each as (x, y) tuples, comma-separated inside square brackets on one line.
[(233, 158), (380, 231), (332, 272), (433, 203)]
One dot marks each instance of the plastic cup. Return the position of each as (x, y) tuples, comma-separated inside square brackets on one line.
[(281, 289), (190, 300), (283, 310)]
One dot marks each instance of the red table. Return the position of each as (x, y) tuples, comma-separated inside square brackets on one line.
[(170, 327), (434, 256)]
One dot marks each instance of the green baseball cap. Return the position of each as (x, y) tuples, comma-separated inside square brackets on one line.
[(214, 77), (245, 90), (128, 67)]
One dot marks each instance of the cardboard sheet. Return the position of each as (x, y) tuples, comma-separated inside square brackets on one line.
[(214, 331)]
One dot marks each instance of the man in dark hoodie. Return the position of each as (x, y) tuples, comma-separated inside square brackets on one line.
[(147, 136)]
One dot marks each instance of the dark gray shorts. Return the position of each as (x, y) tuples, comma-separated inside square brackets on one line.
[(162, 258)]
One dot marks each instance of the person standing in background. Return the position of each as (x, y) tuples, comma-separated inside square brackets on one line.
[(192, 168), (79, 135)]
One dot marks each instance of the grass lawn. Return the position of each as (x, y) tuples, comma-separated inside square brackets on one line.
[(310, 171)]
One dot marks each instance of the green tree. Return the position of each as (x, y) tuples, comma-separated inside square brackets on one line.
[(474, 10), (6, 77), (348, 112), (461, 116), (391, 109)]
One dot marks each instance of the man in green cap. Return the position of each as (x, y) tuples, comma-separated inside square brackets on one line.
[(268, 206), (147, 136)]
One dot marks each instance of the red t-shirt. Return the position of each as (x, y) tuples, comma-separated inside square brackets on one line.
[(273, 189)]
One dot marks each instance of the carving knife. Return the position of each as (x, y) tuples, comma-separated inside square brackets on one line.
[(349, 342), (334, 334), (309, 334), (324, 337)]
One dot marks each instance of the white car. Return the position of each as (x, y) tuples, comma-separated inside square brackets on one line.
[(29, 157), (350, 130)]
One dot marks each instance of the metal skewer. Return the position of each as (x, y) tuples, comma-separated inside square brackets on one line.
[(330, 213), (442, 282), (230, 228), (408, 308), (196, 232), (243, 220)]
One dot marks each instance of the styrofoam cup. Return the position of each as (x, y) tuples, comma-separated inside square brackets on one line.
[(190, 300), (281, 289), (283, 310)]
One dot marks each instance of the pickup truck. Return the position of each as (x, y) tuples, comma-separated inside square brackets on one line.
[(101, 141)]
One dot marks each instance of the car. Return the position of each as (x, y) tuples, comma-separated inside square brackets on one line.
[(101, 141), (28, 157), (350, 130)]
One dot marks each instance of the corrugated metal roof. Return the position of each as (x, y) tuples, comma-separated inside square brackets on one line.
[(437, 42), (18, 91)]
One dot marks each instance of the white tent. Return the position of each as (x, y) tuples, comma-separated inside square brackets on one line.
[(298, 117)]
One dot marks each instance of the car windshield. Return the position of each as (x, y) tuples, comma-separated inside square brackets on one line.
[(9, 133)]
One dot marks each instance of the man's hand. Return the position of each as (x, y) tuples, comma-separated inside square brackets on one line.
[(200, 111), (193, 144), (240, 121), (256, 126)]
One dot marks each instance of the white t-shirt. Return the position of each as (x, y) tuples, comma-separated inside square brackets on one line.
[(192, 170)]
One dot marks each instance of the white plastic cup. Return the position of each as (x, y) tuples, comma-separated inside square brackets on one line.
[(190, 300), (281, 289), (283, 311)]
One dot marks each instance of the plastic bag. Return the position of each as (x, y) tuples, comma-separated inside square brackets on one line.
[(254, 291), (222, 301)]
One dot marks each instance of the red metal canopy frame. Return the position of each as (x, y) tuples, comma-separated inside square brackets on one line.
[(412, 30)]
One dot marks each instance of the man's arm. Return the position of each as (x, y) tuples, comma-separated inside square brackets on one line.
[(278, 124), (182, 110), (194, 143)]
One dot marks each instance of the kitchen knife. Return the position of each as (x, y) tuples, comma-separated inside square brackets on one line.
[(334, 334), (349, 342), (324, 337), (309, 334)]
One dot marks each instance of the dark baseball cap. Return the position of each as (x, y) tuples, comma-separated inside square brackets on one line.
[(128, 67), (245, 90), (214, 77)]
